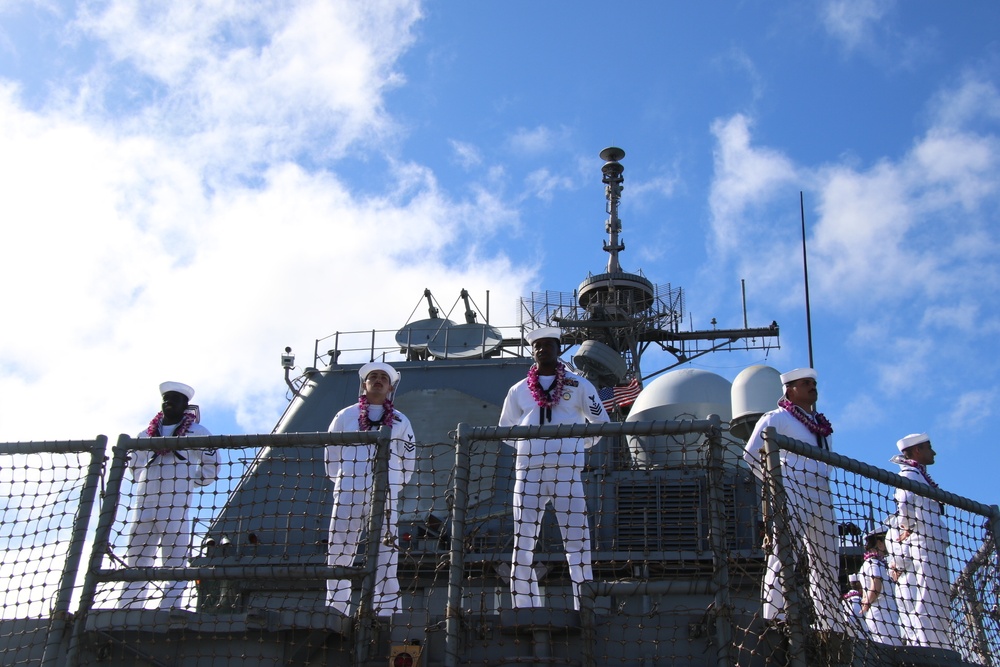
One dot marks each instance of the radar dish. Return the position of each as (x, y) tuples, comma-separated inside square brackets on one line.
[(600, 364), (416, 335), (465, 341)]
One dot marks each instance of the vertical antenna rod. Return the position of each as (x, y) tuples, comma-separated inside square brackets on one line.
[(805, 272)]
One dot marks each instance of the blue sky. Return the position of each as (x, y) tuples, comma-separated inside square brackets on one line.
[(188, 189)]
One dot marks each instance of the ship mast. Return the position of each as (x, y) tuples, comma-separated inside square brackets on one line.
[(619, 314)]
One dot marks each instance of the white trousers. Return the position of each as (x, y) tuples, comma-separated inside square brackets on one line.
[(928, 592), (813, 529), (164, 529), (351, 506), (904, 589), (534, 488)]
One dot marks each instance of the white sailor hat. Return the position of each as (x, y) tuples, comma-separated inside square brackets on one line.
[(853, 578), (797, 374), (544, 332), (379, 366), (913, 439), (179, 387)]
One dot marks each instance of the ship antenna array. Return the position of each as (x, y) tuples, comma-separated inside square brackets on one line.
[(613, 187)]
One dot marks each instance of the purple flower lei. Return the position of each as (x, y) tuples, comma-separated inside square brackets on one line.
[(851, 594), (820, 427), (541, 397), (366, 424), (874, 555), (919, 466)]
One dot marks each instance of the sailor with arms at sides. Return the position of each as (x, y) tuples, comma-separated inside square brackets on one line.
[(851, 600), (878, 603), (548, 470), (924, 536), (164, 480), (811, 522), (351, 469)]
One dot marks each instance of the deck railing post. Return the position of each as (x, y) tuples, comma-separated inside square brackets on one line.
[(456, 564), (102, 538), (782, 543)]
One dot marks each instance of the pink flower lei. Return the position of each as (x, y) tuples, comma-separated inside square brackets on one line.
[(366, 424), (153, 430), (542, 398), (821, 426)]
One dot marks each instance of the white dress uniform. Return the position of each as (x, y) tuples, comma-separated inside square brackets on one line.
[(811, 522), (548, 470), (927, 547), (851, 601), (350, 467), (882, 617), (902, 565), (163, 486)]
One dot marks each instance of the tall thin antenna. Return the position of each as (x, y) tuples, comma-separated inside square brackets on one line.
[(805, 272)]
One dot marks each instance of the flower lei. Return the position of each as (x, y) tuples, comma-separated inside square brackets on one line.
[(821, 426), (153, 430), (366, 424), (546, 399), (875, 555), (851, 594), (919, 466)]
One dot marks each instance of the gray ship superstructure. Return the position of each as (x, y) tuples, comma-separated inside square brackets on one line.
[(679, 530)]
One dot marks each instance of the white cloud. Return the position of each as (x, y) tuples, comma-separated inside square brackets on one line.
[(466, 153), (905, 250), (853, 21), (243, 83), (534, 141), (134, 256), (974, 408), (745, 176), (543, 184)]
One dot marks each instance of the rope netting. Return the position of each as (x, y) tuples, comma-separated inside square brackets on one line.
[(313, 549)]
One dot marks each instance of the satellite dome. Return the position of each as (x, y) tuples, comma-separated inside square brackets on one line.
[(684, 394), (756, 390)]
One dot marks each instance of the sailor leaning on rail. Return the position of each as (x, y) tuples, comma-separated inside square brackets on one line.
[(548, 470), (164, 480), (350, 468), (811, 523)]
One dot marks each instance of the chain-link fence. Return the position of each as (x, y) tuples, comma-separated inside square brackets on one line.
[(324, 549)]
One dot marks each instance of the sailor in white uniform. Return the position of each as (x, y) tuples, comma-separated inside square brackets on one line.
[(811, 523), (924, 534), (350, 468), (548, 470), (902, 574), (164, 481), (878, 604), (851, 601)]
